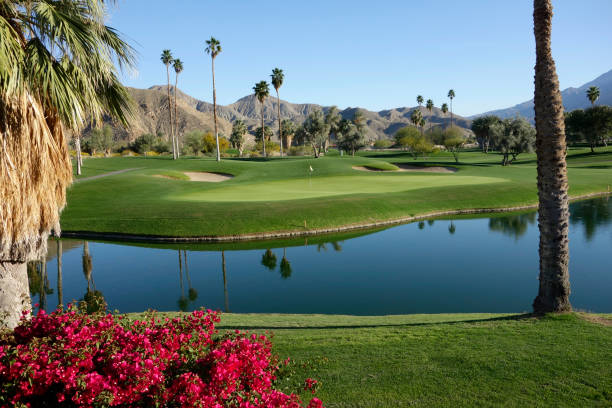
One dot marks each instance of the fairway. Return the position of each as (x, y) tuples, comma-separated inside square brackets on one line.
[(296, 189)]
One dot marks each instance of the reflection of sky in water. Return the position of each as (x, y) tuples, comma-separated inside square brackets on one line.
[(477, 265)]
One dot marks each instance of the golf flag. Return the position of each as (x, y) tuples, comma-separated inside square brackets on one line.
[(311, 169)]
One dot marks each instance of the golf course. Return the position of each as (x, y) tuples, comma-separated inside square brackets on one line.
[(155, 196)]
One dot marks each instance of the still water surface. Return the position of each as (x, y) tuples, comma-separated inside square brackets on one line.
[(435, 266)]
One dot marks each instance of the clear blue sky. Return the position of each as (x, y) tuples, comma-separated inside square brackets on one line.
[(375, 55)]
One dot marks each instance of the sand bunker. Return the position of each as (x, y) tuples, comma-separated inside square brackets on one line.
[(408, 167), (432, 169), (208, 177), (364, 168)]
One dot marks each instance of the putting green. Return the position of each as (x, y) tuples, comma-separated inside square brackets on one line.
[(296, 189)]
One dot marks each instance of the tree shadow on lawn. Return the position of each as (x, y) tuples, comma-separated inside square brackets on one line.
[(368, 326)]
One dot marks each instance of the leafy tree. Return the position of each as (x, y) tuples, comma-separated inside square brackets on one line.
[(451, 96), (239, 129), (194, 142), (100, 140), (512, 137), (213, 48), (149, 142), (454, 141), (592, 94), (419, 100), (277, 82), (482, 129), (332, 119), (592, 125), (167, 59), (315, 131), (351, 134), (289, 130), (210, 143), (178, 68), (553, 210), (411, 140), (262, 91), (267, 131)]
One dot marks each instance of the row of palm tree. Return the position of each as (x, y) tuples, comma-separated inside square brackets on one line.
[(262, 91), (167, 59), (417, 118)]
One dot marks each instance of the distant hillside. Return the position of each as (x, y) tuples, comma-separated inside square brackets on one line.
[(152, 115), (573, 98)]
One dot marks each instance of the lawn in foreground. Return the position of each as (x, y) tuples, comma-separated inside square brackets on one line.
[(279, 195), (444, 360)]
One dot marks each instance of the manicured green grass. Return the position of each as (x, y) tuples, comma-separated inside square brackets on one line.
[(280, 195), (458, 360)]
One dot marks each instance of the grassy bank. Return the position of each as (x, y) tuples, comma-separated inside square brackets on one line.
[(282, 194), (444, 360)]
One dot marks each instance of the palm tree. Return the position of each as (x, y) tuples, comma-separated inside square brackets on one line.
[(444, 108), (593, 94), (332, 119), (419, 100), (429, 106), (213, 49), (451, 96), (262, 91), (277, 82), (553, 210), (289, 130), (178, 68), (422, 123), (56, 69), (166, 59), (415, 117), (239, 129)]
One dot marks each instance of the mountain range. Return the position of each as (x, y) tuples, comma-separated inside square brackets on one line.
[(193, 114), (573, 98), (152, 112)]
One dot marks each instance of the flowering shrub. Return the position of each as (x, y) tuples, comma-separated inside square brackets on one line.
[(70, 359)]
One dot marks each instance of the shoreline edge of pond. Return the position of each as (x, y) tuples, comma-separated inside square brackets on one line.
[(118, 236)]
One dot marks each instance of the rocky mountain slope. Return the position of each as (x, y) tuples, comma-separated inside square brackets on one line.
[(573, 98), (193, 114)]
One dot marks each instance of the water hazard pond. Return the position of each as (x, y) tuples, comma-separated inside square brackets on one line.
[(438, 266)]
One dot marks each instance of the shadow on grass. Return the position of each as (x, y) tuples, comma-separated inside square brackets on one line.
[(372, 326)]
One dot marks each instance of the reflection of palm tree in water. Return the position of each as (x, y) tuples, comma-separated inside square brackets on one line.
[(225, 294), (39, 282), (452, 228), (192, 294), (269, 260), (285, 266), (60, 298), (93, 301)]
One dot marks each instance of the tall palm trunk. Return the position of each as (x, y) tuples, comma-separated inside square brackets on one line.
[(60, 287), (451, 110), (14, 293), (79, 157), (176, 137), (263, 130), (553, 213), (280, 128), (170, 113), (225, 294), (215, 109)]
